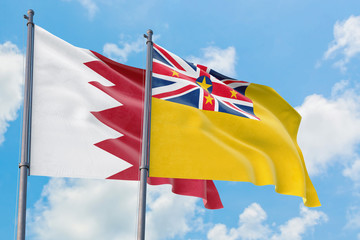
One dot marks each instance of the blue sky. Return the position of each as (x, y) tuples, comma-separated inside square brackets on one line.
[(307, 51)]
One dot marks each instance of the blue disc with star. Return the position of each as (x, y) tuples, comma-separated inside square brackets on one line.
[(205, 83)]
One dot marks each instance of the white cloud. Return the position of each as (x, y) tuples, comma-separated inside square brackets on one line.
[(98, 209), (330, 128), (89, 5), (252, 226), (221, 60), (251, 223), (220, 232), (298, 226), (11, 82), (170, 215), (346, 41), (353, 172), (85, 209), (353, 218), (121, 54)]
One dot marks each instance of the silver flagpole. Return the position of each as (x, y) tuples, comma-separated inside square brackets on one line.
[(26, 131), (144, 167)]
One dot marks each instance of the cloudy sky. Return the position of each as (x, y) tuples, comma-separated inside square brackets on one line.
[(308, 52)]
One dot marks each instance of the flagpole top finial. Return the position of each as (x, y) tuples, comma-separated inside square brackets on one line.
[(148, 36), (30, 16)]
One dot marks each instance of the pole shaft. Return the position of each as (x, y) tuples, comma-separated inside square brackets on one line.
[(26, 131), (144, 167)]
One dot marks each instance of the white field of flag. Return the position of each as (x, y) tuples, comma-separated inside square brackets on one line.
[(63, 129)]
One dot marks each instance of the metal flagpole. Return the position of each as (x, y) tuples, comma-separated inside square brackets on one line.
[(26, 131), (144, 167)]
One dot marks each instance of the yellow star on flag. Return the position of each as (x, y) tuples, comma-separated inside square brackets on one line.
[(204, 85), (208, 99), (233, 93), (175, 73)]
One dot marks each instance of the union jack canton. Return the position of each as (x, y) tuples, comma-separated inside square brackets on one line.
[(195, 85)]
